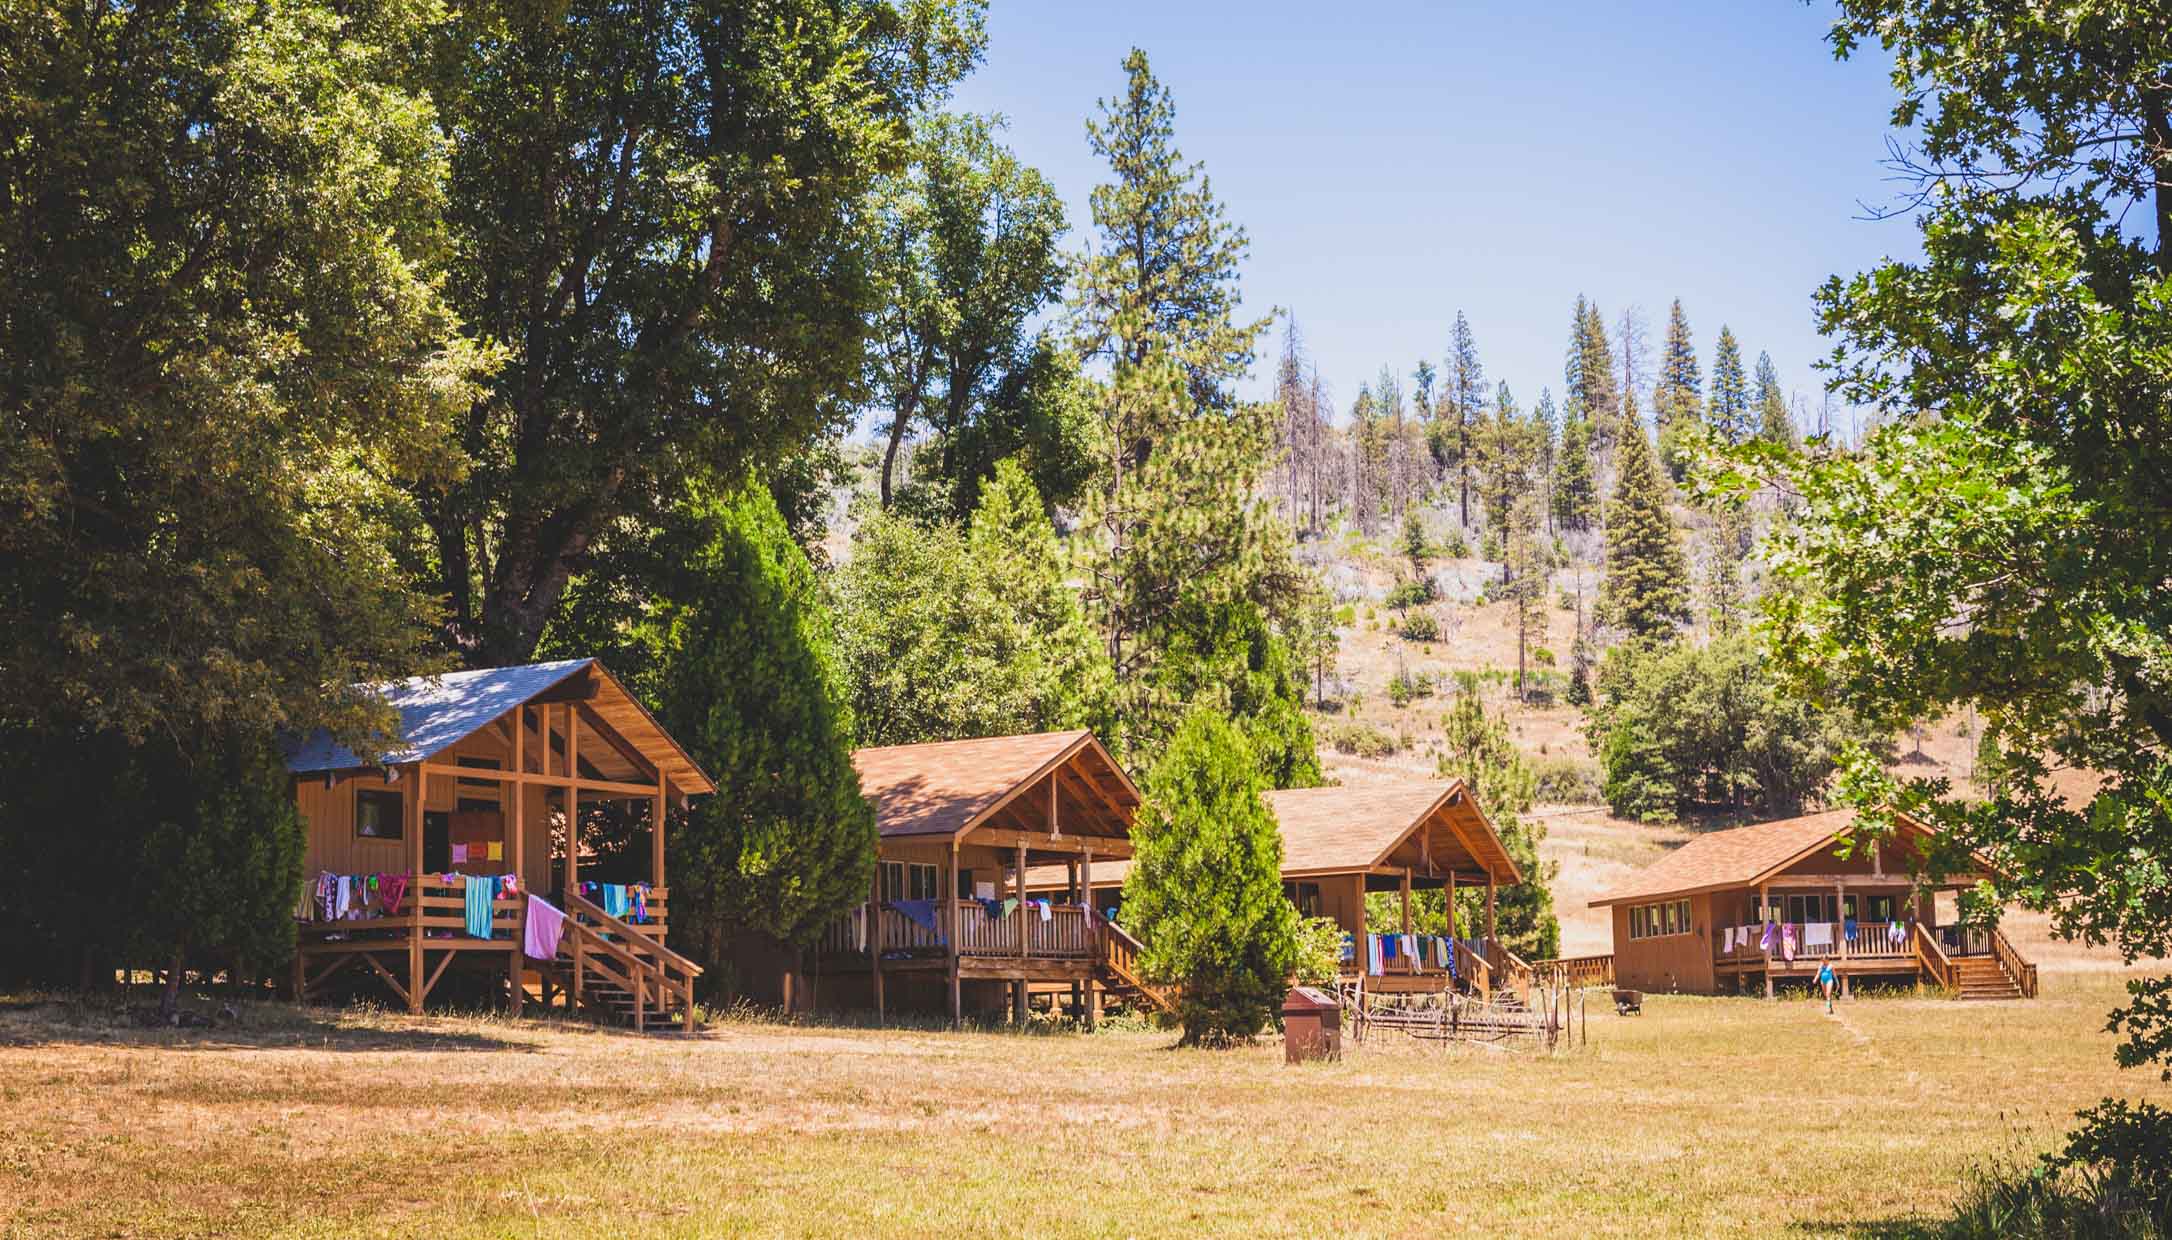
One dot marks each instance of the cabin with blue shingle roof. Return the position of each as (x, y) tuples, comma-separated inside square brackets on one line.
[(425, 847)]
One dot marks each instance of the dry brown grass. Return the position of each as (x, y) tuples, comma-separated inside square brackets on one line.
[(1704, 1116)]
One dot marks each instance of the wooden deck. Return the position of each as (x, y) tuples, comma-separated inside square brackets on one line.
[(1956, 958)]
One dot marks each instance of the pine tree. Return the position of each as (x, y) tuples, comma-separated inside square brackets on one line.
[(1476, 748), (756, 692), (1506, 458), (1728, 412), (1467, 406), (1678, 396), (1592, 393), (1774, 422), (1530, 569), (1014, 551), (1647, 580), (1725, 547), (1576, 487), (1190, 581), (1545, 438), (1204, 894)]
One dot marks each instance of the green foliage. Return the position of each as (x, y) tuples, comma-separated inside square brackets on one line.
[(949, 633), (1418, 626), (1677, 726), (2112, 1180), (1407, 686), (1588, 377), (1678, 396), (1576, 485), (1318, 951), (964, 255), (663, 211), (1408, 594), (1774, 423), (1204, 894), (1476, 748), (1566, 781), (2008, 552), (1646, 591), (1361, 739), (755, 691), (1415, 547), (225, 350), (1188, 578), (169, 858), (1729, 413)]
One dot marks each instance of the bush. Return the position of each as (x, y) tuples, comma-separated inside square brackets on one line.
[(1410, 594), (1566, 781), (1457, 547), (1319, 951), (2113, 1180), (1407, 687), (1419, 626), (1543, 657), (1361, 739)]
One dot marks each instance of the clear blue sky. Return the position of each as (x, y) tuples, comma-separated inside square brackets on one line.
[(1396, 161)]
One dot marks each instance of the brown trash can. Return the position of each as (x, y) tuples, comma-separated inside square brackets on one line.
[(1311, 1025)]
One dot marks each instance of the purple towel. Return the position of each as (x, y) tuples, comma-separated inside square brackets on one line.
[(545, 924)]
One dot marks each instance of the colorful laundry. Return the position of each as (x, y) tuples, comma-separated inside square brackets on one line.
[(614, 900), (1817, 934), (545, 925), (481, 892), (1787, 942), (391, 889), (1375, 955)]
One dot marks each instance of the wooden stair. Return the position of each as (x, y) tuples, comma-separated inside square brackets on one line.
[(1119, 968), (605, 962), (1984, 977)]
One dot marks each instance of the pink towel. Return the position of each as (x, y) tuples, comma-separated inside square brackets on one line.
[(545, 924)]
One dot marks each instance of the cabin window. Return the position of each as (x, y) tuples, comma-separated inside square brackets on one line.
[(1817, 906), (902, 880), (1881, 908), (379, 814), (1306, 896), (1651, 921)]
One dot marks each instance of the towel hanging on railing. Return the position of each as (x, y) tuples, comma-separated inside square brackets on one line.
[(545, 926)]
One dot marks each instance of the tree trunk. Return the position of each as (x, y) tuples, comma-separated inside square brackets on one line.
[(169, 998)]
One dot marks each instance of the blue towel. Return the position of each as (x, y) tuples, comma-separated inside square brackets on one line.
[(614, 900), (480, 892), (919, 912), (1349, 948)]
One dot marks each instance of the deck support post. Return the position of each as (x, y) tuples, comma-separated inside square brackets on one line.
[(1764, 904), (1491, 932), (950, 920), (516, 963), (413, 805), (874, 941), (1406, 899), (1018, 890), (1093, 927)]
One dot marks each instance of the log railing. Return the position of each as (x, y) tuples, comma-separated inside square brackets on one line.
[(1513, 972), (654, 976), (1934, 961), (2023, 972), (1576, 972)]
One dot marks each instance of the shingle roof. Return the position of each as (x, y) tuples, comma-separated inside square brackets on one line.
[(1730, 858), (1339, 829), (940, 787), (437, 712)]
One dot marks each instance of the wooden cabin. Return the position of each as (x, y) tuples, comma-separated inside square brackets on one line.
[(1696, 921), (488, 782), (960, 824), (1340, 843)]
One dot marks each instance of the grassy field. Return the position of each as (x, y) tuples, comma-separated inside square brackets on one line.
[(1702, 1117)]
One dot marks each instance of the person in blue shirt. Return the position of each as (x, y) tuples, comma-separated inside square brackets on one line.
[(1825, 979)]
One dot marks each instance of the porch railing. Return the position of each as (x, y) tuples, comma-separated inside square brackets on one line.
[(1576, 972), (2022, 971), (1067, 934), (1872, 940)]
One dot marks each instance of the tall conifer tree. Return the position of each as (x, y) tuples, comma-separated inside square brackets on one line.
[(1647, 578), (1678, 396), (1576, 486), (1774, 422), (1729, 412), (1467, 394)]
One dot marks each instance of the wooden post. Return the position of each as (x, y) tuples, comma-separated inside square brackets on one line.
[(1093, 927), (516, 968), (949, 893), (874, 939), (573, 800), (656, 829), (1764, 903), (1025, 933), (1018, 890), (1449, 899), (1491, 933), (413, 805)]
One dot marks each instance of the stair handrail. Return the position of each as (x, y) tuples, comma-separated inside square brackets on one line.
[(1118, 951), (1934, 958), (663, 960), (2021, 971), (639, 974), (1481, 969), (1516, 973)]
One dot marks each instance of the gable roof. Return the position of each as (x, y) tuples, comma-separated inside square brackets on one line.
[(1738, 857), (1340, 829), (945, 787), (1353, 829), (438, 712)]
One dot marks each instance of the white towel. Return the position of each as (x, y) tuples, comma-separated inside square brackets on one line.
[(1817, 934)]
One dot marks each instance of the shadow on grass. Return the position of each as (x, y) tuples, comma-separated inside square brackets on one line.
[(115, 1021), (1867, 1229)]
